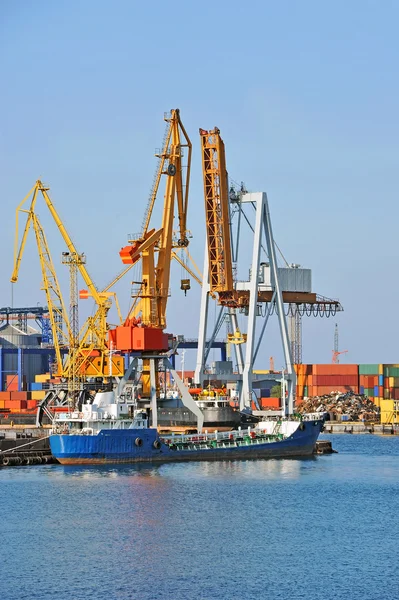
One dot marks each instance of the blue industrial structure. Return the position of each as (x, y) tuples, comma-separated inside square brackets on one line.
[(19, 316)]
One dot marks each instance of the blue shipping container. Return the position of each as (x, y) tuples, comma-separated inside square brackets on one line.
[(381, 380), (376, 391), (35, 387), (361, 389)]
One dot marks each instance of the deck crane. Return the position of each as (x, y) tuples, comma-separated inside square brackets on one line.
[(88, 349)]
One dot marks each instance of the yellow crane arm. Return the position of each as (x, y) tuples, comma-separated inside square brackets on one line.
[(57, 312), (70, 245), (19, 253), (160, 168), (182, 195), (175, 184)]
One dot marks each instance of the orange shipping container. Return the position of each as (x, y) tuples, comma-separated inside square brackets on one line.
[(272, 403), (12, 387), (331, 369), (19, 396), (2, 404), (15, 405), (5, 395), (31, 404), (303, 369)]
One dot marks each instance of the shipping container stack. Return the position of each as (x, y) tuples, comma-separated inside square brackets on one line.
[(265, 400), (304, 382), (14, 401), (319, 380), (371, 381), (380, 383), (389, 398)]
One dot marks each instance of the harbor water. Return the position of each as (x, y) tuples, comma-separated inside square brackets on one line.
[(324, 527)]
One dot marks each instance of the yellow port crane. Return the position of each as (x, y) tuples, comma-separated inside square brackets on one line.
[(88, 349), (57, 313), (156, 247)]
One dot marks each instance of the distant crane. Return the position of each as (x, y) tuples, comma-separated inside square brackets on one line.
[(336, 352)]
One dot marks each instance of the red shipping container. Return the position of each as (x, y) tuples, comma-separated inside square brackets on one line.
[(331, 369), (31, 404), (19, 396), (335, 380)]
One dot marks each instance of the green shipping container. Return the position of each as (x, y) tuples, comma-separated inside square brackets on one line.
[(391, 371), (369, 392), (368, 369)]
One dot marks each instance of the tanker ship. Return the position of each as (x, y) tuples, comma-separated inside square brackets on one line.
[(102, 433)]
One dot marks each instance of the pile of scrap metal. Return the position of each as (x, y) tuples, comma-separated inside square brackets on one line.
[(339, 406)]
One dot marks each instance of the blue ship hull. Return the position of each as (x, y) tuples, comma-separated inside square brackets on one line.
[(143, 445)]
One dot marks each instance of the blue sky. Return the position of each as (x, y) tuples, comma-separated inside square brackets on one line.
[(306, 97)]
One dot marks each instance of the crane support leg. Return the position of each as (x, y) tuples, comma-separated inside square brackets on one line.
[(246, 393), (186, 398), (200, 367), (237, 347), (290, 377), (153, 384)]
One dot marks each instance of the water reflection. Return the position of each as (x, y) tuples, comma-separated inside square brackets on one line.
[(287, 468)]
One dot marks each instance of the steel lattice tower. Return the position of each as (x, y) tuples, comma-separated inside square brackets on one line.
[(295, 322)]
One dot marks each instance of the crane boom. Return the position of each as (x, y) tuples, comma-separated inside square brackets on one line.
[(217, 213), (155, 247), (57, 311)]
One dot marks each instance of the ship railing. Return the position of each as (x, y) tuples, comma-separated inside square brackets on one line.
[(316, 416), (227, 437)]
